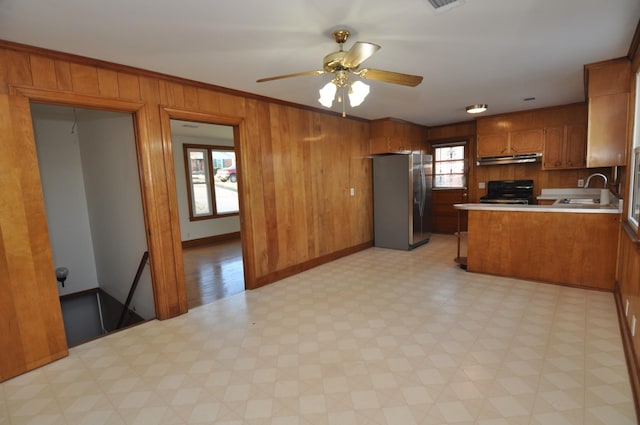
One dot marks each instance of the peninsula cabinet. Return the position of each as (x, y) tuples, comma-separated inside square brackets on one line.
[(608, 85), (567, 248), (565, 147)]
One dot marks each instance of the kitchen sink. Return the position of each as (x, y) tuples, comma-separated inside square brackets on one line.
[(579, 201)]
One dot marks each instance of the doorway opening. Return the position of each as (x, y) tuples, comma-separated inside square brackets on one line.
[(209, 210), (90, 180)]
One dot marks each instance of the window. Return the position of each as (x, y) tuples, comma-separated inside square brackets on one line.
[(212, 181), (449, 166), (634, 175)]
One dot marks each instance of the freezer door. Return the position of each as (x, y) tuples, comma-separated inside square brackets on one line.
[(421, 179)]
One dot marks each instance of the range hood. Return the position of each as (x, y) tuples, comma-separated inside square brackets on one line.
[(510, 159)]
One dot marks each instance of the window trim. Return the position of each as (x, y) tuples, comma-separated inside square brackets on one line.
[(211, 182)]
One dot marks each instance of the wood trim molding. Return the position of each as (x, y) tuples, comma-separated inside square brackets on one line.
[(57, 97), (299, 268), (187, 115), (629, 352), (210, 240)]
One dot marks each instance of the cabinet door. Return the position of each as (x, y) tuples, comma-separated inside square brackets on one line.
[(399, 145), (607, 132), (492, 144), (526, 141), (379, 145), (31, 328), (575, 149), (552, 157)]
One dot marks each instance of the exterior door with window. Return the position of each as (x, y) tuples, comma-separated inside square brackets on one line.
[(449, 186)]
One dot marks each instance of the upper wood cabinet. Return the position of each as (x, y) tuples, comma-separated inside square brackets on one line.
[(558, 133), (389, 135), (511, 143), (509, 134), (493, 144), (526, 141), (565, 147), (608, 85)]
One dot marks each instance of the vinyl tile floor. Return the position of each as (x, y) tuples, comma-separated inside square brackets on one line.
[(378, 337)]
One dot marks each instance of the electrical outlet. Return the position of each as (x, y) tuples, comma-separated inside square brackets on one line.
[(626, 308), (352, 191), (633, 325), (481, 185), (580, 182)]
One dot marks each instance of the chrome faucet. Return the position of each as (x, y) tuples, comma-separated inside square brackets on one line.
[(604, 178)]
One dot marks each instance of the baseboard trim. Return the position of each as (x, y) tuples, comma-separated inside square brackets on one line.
[(299, 268), (629, 352), (210, 240)]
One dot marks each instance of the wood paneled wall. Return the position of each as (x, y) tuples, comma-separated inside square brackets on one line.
[(628, 270), (296, 164), (628, 290)]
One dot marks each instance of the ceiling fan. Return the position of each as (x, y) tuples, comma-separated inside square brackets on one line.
[(344, 64)]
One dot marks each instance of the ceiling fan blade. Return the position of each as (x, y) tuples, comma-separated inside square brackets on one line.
[(390, 77), (298, 74), (358, 53)]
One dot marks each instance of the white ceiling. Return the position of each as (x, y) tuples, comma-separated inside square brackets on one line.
[(482, 51)]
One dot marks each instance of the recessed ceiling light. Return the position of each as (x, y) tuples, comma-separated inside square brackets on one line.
[(476, 109)]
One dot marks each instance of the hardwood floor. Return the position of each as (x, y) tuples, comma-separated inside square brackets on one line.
[(213, 272)]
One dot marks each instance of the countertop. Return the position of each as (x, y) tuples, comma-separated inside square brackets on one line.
[(613, 207), (565, 208)]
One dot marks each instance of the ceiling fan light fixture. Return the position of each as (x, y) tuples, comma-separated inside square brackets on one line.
[(327, 94), (476, 109), (358, 91)]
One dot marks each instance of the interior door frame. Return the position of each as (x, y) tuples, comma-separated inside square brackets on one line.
[(33, 331), (164, 283), (238, 124)]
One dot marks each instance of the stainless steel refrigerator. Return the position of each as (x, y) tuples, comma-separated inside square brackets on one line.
[(402, 186)]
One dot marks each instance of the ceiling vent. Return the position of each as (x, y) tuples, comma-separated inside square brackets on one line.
[(443, 5)]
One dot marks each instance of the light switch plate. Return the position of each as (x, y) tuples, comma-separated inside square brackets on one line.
[(481, 185), (352, 191)]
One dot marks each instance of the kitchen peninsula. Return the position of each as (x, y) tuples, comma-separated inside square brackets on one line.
[(571, 243)]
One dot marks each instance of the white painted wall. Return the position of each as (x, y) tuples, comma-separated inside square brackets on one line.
[(64, 196), (190, 230), (112, 185)]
